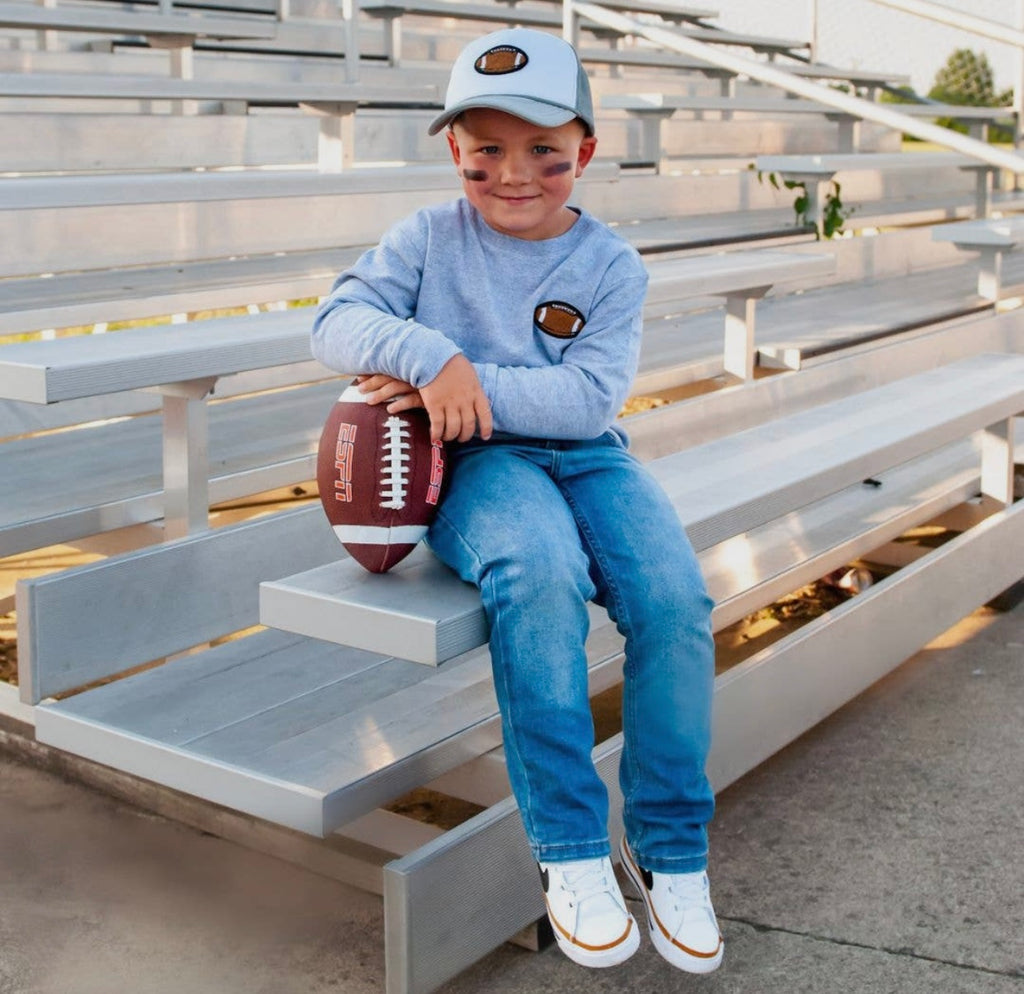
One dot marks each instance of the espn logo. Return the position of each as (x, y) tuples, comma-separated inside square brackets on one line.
[(343, 462)]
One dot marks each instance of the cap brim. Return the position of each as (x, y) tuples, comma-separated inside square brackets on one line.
[(535, 111)]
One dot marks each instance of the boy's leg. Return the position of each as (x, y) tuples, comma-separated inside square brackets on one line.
[(648, 578), (505, 527)]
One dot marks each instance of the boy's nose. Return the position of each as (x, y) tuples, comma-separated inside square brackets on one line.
[(515, 170)]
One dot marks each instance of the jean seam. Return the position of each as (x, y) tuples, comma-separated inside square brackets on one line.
[(499, 673), (624, 624)]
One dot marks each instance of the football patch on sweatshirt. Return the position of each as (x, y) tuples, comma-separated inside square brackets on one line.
[(558, 319)]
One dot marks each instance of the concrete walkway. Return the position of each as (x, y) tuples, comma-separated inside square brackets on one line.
[(882, 852)]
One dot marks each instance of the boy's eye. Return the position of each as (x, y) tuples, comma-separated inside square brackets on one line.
[(489, 150), (542, 149)]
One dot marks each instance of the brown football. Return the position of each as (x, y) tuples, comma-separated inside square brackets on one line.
[(500, 60), (559, 319), (380, 479)]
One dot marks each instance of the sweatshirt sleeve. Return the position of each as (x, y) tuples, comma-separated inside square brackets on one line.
[(366, 324), (581, 396)]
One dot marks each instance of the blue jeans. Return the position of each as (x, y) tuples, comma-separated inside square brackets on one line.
[(542, 527)]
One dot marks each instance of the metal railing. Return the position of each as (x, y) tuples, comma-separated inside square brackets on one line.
[(956, 19), (773, 75)]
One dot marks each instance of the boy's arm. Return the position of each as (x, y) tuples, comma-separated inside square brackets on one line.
[(365, 325), (454, 400)]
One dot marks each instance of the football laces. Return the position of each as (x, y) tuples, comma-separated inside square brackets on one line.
[(394, 481)]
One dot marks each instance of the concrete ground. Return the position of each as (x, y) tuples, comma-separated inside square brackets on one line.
[(881, 852)]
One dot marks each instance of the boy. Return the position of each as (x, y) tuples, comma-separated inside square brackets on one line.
[(515, 321)]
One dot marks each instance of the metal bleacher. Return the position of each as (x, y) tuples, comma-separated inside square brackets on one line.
[(206, 184)]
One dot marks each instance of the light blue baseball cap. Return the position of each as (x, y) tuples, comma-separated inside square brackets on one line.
[(531, 74)]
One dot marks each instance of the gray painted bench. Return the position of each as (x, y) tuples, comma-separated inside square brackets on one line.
[(335, 103), (441, 617), (817, 171), (259, 236), (313, 735), (653, 109), (117, 466), (183, 363), (392, 12), (37, 511), (172, 28), (654, 59)]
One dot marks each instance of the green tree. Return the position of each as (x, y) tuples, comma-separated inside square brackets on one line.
[(967, 79)]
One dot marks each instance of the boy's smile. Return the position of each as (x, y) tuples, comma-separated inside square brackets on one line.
[(517, 174)]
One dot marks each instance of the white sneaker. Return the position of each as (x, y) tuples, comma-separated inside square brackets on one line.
[(680, 916), (587, 912)]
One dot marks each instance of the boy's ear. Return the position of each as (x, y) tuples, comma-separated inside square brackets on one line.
[(453, 145), (587, 149)]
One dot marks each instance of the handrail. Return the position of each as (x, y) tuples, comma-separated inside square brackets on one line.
[(867, 110), (956, 19)]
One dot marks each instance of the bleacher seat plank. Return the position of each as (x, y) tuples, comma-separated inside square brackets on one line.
[(48, 192), (840, 528), (43, 372), (767, 105), (791, 333), (665, 9), (654, 109), (78, 17), (729, 273), (650, 58), (706, 417), (82, 483), (124, 87), (828, 163), (73, 299), (82, 143), (248, 6), (18, 418), (721, 489)]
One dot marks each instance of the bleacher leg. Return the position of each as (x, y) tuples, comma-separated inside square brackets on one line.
[(738, 352), (336, 137), (349, 16), (990, 272), (186, 457), (650, 140), (983, 190), (997, 442), (849, 132)]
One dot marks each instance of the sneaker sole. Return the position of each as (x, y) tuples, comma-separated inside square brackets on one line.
[(679, 956), (611, 955)]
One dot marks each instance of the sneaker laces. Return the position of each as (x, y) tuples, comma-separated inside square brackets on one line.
[(689, 891), (586, 883)]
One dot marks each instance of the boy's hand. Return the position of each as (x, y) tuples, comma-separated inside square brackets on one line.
[(380, 388), (456, 402)]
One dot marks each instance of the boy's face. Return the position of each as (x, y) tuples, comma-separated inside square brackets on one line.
[(517, 174)]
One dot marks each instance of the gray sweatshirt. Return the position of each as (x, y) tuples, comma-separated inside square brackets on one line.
[(552, 327)]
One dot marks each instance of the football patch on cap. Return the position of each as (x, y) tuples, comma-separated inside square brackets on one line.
[(500, 60), (557, 318)]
